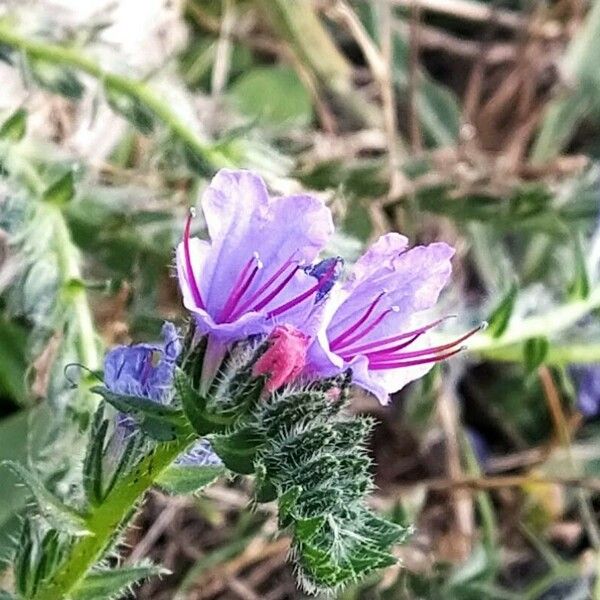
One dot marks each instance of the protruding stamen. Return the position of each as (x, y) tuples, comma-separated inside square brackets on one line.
[(248, 303), (361, 334), (396, 338), (349, 354), (307, 294), (241, 285), (188, 263), (260, 305), (413, 363), (388, 356), (348, 331)]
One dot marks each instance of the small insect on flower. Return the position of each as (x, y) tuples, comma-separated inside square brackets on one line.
[(375, 322)]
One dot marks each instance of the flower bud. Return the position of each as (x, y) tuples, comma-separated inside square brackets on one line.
[(285, 357)]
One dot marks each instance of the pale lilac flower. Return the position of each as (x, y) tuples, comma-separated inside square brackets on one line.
[(253, 273), (376, 322), (147, 370), (201, 454)]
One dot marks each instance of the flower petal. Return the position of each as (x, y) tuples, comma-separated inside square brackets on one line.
[(249, 274), (405, 284)]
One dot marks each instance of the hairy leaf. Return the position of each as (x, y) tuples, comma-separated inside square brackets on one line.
[(59, 515), (114, 583), (188, 479)]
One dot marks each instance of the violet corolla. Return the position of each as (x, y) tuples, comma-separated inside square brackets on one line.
[(376, 324), (252, 273), (147, 370)]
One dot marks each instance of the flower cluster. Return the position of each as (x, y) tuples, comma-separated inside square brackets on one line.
[(259, 274), (267, 311)]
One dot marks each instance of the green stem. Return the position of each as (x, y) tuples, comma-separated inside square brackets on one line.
[(138, 90), (297, 22), (108, 518), (69, 261), (76, 295)]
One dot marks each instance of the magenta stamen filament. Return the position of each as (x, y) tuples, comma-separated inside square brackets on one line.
[(413, 363), (301, 297), (340, 338), (396, 338), (240, 287), (249, 303)]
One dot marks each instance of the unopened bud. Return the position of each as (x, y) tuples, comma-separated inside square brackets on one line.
[(285, 357)]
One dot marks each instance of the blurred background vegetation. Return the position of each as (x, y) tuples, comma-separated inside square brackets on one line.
[(472, 122)]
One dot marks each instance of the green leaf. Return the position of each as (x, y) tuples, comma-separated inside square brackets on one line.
[(564, 114), (287, 503), (59, 515), (437, 106), (188, 479), (194, 406), (238, 449), (23, 560), (62, 191), (306, 529), (580, 286), (273, 95), (113, 583), (535, 351), (56, 78), (196, 162), (499, 319), (132, 109), (44, 556), (21, 434), (13, 363), (126, 461), (14, 128), (92, 464), (159, 421)]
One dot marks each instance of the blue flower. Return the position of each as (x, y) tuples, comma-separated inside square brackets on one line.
[(588, 389), (147, 370), (144, 369)]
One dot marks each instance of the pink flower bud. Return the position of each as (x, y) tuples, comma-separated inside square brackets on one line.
[(285, 357)]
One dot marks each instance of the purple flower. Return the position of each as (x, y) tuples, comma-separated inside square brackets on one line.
[(588, 389), (252, 274), (144, 369), (201, 454), (147, 370), (375, 322)]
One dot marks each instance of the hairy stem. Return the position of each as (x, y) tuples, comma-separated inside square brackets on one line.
[(73, 291), (138, 90), (108, 518)]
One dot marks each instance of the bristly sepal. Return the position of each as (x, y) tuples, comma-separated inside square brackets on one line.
[(308, 453)]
